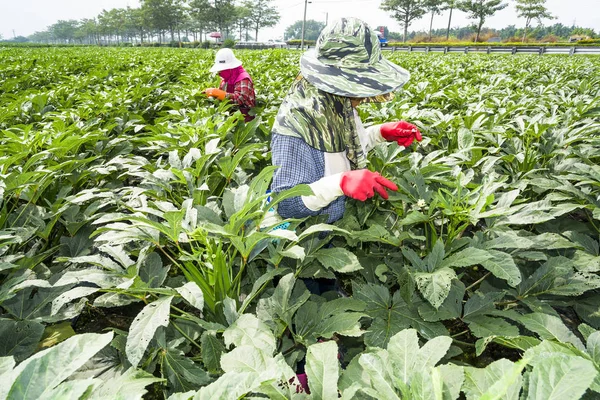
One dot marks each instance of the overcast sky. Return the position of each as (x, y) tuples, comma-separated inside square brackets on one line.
[(27, 16)]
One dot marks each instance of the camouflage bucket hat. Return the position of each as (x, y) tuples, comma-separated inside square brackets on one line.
[(347, 61)]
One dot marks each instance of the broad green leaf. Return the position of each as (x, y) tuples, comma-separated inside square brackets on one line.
[(6, 365), (144, 327), (245, 359), (593, 347), (560, 377), (181, 372), (230, 386), (467, 257), (212, 349), (478, 381), (377, 367), (322, 370), (451, 308), (503, 266), (483, 326), (432, 352), (277, 311), (19, 338), (435, 286), (74, 389), (130, 384), (70, 295), (550, 327), (249, 330), (391, 315), (152, 271), (192, 294), (45, 370), (338, 259)]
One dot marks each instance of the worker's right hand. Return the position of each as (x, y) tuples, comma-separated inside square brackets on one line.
[(218, 93), (362, 184)]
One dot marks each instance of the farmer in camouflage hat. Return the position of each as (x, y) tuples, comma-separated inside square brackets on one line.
[(318, 138)]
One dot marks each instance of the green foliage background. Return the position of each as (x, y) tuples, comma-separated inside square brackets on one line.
[(132, 203)]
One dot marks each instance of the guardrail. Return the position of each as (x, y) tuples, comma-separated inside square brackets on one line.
[(541, 50)]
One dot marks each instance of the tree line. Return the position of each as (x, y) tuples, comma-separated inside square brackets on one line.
[(163, 20), (408, 11)]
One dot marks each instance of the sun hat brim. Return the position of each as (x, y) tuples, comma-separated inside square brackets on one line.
[(217, 67), (370, 81)]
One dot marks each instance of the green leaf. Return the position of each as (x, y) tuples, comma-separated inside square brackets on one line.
[(503, 266), (152, 271), (19, 338), (593, 347), (483, 326), (249, 330), (377, 367), (322, 370), (44, 371), (550, 327), (481, 304), (560, 377), (314, 321), (478, 381), (192, 294), (278, 310), (435, 286), (181, 372), (144, 327), (338, 259), (245, 359), (451, 308), (391, 315), (230, 386), (128, 385), (467, 257), (212, 349)]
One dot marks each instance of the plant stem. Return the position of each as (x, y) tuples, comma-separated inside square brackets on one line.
[(477, 282), (185, 335), (461, 333)]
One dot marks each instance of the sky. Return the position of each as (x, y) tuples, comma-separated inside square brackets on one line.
[(28, 16)]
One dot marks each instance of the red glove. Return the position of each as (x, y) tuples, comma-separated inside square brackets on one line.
[(362, 184), (218, 93), (401, 132)]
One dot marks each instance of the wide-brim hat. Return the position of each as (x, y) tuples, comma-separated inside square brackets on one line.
[(225, 59), (347, 61)]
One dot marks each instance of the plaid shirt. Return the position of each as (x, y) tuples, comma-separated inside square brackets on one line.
[(299, 163), (243, 93)]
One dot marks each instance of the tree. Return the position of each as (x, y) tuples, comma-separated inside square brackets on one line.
[(262, 14), (64, 30), (405, 11), (480, 10), (530, 10), (312, 29), (221, 14), (451, 5), (243, 21), (435, 7)]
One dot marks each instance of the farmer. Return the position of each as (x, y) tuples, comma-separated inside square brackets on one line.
[(236, 85), (318, 138)]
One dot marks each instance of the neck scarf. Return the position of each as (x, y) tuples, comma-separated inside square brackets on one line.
[(233, 76), (323, 120)]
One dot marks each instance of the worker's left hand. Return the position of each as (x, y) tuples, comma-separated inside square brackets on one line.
[(402, 132), (218, 93)]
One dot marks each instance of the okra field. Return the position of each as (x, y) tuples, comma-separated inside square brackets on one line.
[(133, 263)]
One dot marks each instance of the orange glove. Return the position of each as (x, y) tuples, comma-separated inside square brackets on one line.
[(218, 93), (362, 184)]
